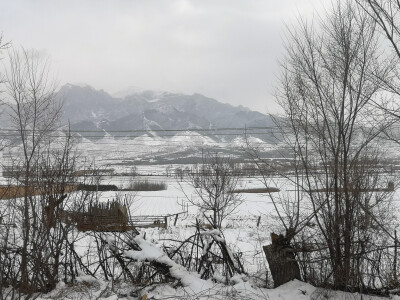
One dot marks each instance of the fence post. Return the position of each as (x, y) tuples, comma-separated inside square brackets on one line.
[(395, 256), (176, 219), (166, 222), (258, 221)]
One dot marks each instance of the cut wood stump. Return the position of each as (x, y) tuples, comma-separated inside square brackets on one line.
[(281, 260)]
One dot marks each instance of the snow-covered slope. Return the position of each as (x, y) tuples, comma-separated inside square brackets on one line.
[(133, 109)]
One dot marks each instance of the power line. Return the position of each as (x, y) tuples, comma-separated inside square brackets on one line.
[(155, 130)]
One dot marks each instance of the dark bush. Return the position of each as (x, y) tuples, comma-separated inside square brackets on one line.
[(147, 185), (97, 187)]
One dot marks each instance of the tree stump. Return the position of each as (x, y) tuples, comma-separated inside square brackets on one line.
[(281, 260)]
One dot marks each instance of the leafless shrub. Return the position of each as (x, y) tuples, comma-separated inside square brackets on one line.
[(214, 182), (340, 218)]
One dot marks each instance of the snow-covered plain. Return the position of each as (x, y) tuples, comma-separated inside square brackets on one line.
[(240, 230), (247, 230)]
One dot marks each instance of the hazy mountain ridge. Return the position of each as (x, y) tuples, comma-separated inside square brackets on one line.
[(90, 109)]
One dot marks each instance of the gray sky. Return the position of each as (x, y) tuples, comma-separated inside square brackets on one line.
[(224, 49)]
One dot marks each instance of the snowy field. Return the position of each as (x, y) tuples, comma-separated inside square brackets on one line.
[(246, 231), (240, 228)]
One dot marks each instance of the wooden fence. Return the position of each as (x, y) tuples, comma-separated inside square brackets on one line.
[(109, 216), (160, 221)]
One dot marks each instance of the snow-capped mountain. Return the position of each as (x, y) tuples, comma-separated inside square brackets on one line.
[(132, 90), (134, 109)]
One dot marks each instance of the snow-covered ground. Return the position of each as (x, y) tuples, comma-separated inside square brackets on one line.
[(89, 288), (247, 230)]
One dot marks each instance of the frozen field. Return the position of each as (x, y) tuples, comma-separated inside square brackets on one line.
[(246, 231)]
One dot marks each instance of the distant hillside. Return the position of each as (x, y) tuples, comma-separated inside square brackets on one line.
[(89, 109)]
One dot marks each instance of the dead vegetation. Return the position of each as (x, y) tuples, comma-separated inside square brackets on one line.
[(12, 192), (102, 217), (257, 190), (146, 185)]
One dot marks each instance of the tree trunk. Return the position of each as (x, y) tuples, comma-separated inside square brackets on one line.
[(281, 260)]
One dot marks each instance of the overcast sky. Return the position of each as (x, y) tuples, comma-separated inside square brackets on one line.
[(224, 49)]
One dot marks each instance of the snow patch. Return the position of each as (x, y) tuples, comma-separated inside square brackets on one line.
[(151, 252)]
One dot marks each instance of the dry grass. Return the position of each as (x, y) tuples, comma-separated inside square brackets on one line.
[(257, 190), (10, 192)]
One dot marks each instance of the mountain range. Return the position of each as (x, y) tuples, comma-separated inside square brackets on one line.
[(98, 113)]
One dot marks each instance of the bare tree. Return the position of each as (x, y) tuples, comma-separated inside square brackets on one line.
[(30, 92), (332, 75), (39, 250), (385, 14), (3, 45), (3, 216), (214, 182)]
